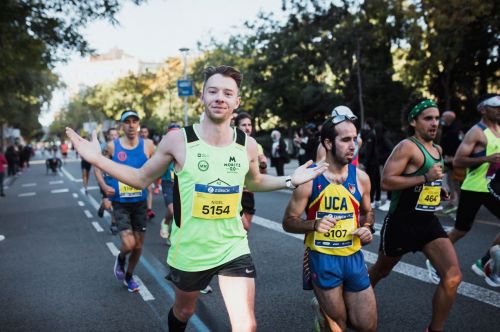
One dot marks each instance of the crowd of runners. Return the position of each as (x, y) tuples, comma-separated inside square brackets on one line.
[(209, 171)]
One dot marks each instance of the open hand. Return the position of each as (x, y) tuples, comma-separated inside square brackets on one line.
[(90, 151), (304, 174)]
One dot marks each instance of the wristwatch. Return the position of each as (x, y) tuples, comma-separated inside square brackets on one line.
[(288, 182)]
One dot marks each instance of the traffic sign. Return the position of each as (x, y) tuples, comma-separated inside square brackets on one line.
[(185, 88)]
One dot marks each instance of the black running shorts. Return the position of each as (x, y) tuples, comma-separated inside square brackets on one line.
[(131, 216), (196, 281), (468, 205), (85, 165), (400, 235)]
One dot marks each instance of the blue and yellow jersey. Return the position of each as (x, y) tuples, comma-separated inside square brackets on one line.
[(342, 201)]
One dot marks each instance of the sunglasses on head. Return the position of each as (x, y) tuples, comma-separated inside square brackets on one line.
[(340, 116)]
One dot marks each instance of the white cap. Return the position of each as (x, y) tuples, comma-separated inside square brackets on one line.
[(342, 110), (491, 102)]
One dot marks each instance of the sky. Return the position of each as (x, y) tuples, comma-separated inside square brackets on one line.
[(157, 29)]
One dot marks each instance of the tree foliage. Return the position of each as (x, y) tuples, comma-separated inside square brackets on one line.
[(152, 95), (454, 49), (371, 55), (33, 36)]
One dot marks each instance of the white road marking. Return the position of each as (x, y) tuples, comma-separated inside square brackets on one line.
[(93, 202), (87, 213), (26, 194), (88, 188), (69, 176), (496, 224), (37, 162), (114, 250), (56, 182), (81, 203), (75, 195), (143, 290), (97, 226), (466, 289), (58, 191), (29, 184)]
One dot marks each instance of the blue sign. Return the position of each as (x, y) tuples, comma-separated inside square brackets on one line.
[(185, 88)]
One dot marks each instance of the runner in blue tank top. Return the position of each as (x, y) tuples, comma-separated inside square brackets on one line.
[(129, 203)]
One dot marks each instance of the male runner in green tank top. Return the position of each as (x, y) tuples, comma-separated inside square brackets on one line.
[(479, 152), (212, 164), (413, 172)]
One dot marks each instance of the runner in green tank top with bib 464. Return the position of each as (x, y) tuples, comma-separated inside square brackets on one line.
[(213, 162), (413, 173)]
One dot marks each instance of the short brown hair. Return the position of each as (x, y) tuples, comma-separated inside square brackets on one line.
[(240, 117), (224, 70)]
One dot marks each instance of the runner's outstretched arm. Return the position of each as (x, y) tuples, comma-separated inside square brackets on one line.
[(135, 177), (255, 181)]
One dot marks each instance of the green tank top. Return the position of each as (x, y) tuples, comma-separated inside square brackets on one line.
[(477, 178), (207, 230), (421, 199)]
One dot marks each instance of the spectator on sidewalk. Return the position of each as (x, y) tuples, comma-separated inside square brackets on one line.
[(306, 143), (12, 160), (27, 153), (374, 153), (3, 162), (279, 153)]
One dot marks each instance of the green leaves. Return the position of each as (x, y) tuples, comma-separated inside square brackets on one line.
[(33, 36)]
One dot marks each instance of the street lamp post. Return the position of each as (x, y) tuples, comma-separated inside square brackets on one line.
[(184, 51)]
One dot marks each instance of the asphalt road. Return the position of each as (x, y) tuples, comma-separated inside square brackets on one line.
[(57, 259)]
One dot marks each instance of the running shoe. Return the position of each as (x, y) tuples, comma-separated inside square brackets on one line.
[(385, 206), (100, 212), (113, 229), (118, 269), (375, 204), (433, 275), (319, 319), (207, 290), (478, 268), (151, 214), (132, 286), (164, 230), (492, 268)]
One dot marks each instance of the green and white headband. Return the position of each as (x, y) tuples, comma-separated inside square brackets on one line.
[(417, 109)]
